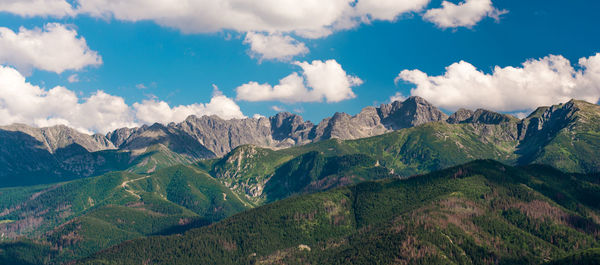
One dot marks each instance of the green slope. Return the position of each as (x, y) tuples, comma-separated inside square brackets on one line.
[(433, 146), (586, 257), (26, 252), (482, 212), (574, 148), (565, 136), (83, 216)]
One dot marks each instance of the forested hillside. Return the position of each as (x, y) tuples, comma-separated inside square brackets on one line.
[(483, 212)]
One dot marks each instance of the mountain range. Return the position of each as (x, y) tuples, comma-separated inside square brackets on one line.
[(59, 153), (67, 195)]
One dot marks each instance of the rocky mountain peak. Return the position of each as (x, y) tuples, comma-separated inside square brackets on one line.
[(286, 125), (481, 116), (460, 115), (490, 117), (286, 119), (60, 136), (416, 100), (413, 111), (119, 136)]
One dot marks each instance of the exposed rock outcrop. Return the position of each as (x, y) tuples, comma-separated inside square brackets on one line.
[(282, 130), (461, 115), (482, 116)]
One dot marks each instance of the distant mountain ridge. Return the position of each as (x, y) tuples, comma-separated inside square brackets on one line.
[(284, 129), (65, 153)]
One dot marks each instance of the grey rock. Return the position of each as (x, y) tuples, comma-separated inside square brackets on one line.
[(414, 111), (61, 136), (283, 130), (174, 139), (42, 155), (481, 116), (460, 115), (489, 117), (120, 136)]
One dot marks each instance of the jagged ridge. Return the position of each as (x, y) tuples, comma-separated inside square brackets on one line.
[(64, 153)]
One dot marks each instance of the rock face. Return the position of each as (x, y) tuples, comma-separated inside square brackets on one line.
[(217, 136), (60, 136), (564, 134), (373, 121), (461, 115), (38, 155), (283, 130), (546, 121), (414, 111), (490, 117), (482, 116)]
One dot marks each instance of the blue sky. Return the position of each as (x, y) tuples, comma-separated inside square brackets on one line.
[(146, 59)]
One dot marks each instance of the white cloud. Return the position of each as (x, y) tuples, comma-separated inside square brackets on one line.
[(54, 48), (319, 80), (307, 18), (290, 89), (397, 97), (74, 78), (329, 80), (465, 14), (277, 20), (388, 9), (274, 46), (22, 102), (277, 108), (540, 82), (150, 111), (200, 16), (29, 8)]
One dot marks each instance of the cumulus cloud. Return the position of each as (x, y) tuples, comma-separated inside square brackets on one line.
[(274, 46), (319, 80), (388, 9), (150, 111), (277, 20), (397, 97), (29, 8), (199, 16), (308, 18), (54, 48), (540, 82), (465, 14), (22, 102)]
